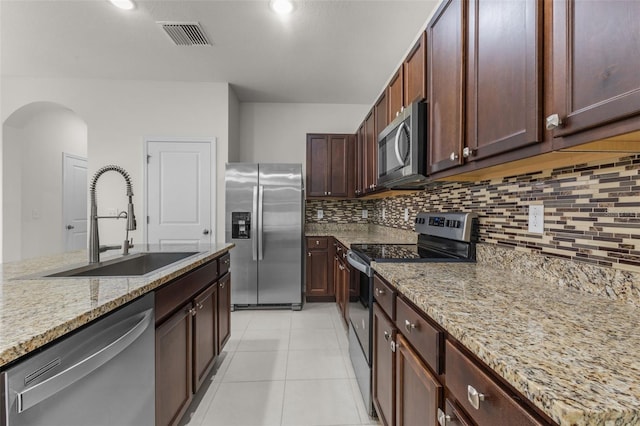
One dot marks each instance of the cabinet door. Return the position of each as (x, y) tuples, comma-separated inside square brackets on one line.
[(338, 284), (595, 62), (371, 153), (318, 273), (205, 334), (418, 392), (381, 115), (383, 389), (446, 86), (395, 92), (174, 367), (415, 79), (224, 311), (339, 166), (504, 76), (360, 161), (317, 165)]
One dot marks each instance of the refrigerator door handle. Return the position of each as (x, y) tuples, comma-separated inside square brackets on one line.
[(260, 221), (256, 232)]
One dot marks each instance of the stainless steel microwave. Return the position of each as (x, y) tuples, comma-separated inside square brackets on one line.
[(402, 149)]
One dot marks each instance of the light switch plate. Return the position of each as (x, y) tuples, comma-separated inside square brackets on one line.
[(384, 213), (536, 219), (406, 215), (320, 214), (365, 213)]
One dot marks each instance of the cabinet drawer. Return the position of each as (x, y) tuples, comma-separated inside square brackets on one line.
[(317, 243), (484, 400), (175, 294), (385, 295), (424, 337), (224, 262)]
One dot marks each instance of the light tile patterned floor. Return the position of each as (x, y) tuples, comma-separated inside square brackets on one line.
[(282, 368)]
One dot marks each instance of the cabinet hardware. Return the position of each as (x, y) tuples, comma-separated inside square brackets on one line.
[(553, 122), (200, 306), (386, 336), (409, 326), (335, 258), (339, 248), (317, 242), (468, 152), (222, 284), (453, 156), (192, 312), (329, 193), (443, 418), (379, 291), (344, 255), (70, 227), (309, 254), (340, 266), (205, 232), (394, 346), (474, 397)]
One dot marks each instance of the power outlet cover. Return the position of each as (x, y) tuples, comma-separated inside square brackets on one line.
[(320, 214), (536, 219), (365, 214)]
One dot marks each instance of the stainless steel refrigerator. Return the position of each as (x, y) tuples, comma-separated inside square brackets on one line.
[(264, 215)]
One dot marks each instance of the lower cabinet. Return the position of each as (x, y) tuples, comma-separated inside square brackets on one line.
[(418, 392), (192, 326), (415, 366), (174, 387), (342, 281), (319, 270)]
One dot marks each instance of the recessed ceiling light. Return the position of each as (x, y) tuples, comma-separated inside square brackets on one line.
[(281, 7), (123, 4)]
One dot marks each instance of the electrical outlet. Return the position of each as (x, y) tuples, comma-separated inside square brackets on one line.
[(406, 215), (320, 214), (384, 213), (365, 213), (536, 219)]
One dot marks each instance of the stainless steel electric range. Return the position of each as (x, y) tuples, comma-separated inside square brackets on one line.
[(442, 237)]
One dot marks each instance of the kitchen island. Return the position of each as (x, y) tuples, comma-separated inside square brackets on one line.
[(35, 310)]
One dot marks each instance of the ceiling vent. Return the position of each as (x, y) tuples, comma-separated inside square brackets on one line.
[(186, 33)]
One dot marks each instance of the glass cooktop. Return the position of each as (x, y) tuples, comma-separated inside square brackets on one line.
[(399, 253)]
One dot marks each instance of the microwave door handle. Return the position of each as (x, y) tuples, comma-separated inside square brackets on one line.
[(397, 144)]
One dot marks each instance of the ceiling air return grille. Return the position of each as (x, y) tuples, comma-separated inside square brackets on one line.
[(186, 33)]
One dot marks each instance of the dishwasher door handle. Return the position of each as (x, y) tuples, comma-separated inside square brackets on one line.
[(49, 387)]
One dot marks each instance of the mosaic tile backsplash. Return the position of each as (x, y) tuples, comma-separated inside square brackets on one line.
[(591, 211)]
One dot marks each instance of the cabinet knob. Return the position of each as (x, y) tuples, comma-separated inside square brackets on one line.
[(329, 193), (317, 242), (70, 227), (340, 266), (453, 156), (200, 306), (474, 397), (409, 326), (192, 312), (468, 152), (309, 254), (227, 261), (222, 284), (553, 122), (386, 336), (379, 291), (443, 419)]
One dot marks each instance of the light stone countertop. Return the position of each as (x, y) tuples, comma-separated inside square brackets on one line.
[(576, 356), (35, 311)]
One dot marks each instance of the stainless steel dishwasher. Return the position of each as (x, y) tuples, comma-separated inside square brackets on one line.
[(103, 374)]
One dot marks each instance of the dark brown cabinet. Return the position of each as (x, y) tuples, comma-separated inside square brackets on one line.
[(384, 383), (224, 310), (360, 160), (371, 153), (330, 165), (418, 392), (504, 77), (174, 389), (415, 72), (595, 63), (341, 279), (395, 94), (190, 317), (445, 36), (319, 270)]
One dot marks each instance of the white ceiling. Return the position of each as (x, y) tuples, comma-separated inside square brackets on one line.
[(327, 51)]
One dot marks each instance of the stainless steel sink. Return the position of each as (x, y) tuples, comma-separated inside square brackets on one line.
[(126, 266)]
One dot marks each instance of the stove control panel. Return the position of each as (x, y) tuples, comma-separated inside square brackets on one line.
[(454, 226)]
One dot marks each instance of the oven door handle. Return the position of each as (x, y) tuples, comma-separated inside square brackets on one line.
[(357, 263)]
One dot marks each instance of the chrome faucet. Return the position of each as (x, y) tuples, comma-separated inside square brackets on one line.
[(94, 241)]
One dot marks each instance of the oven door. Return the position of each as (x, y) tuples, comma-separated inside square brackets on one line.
[(361, 307)]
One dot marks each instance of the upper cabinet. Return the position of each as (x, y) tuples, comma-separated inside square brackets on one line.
[(446, 86), (504, 76), (596, 58), (371, 153), (395, 93), (415, 68), (329, 165)]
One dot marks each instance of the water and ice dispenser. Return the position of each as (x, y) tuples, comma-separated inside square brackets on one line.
[(240, 225)]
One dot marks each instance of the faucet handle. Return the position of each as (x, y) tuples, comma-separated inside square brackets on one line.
[(127, 245)]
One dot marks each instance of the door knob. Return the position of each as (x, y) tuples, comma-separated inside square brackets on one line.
[(205, 232), (70, 227)]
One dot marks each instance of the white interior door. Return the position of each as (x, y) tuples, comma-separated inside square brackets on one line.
[(74, 202), (179, 192)]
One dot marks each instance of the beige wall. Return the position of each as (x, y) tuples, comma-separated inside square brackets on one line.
[(276, 133)]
